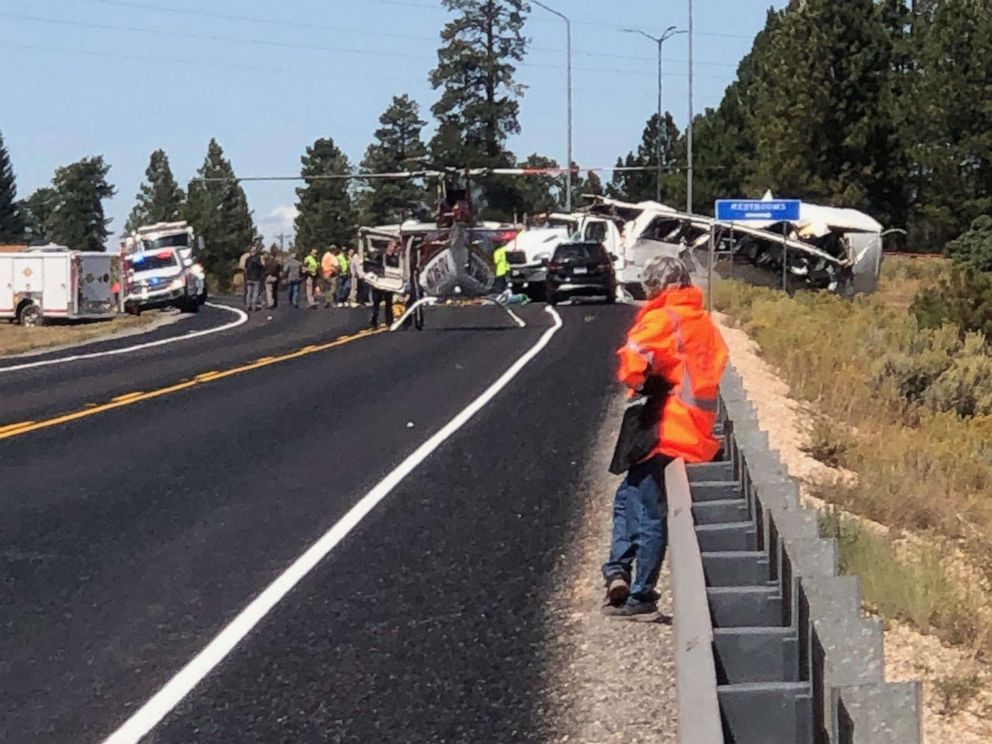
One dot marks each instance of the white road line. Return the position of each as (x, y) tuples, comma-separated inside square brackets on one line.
[(241, 320), (177, 688)]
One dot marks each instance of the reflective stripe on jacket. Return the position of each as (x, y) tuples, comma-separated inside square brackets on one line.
[(674, 338)]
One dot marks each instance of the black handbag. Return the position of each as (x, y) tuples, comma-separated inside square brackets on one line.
[(640, 428)]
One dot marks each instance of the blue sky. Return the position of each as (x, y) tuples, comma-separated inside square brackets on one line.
[(120, 78)]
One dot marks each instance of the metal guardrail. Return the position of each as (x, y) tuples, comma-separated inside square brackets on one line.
[(770, 625), (695, 670)]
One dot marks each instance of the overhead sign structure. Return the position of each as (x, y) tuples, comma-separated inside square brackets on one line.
[(744, 210)]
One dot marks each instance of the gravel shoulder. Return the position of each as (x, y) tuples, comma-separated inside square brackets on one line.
[(608, 680)]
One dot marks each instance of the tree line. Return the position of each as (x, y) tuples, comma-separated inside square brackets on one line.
[(880, 105)]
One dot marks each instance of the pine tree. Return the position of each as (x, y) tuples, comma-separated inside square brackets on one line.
[(326, 216), (539, 193), (11, 220), (218, 211), (398, 147), (479, 104), (159, 199), (953, 121), (822, 120), (78, 220), (37, 211), (591, 185)]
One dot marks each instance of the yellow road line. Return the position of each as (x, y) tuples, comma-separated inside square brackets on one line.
[(13, 430), (127, 396), (14, 427)]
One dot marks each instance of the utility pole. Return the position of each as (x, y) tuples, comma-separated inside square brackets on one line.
[(568, 85), (662, 139), (282, 241), (688, 187)]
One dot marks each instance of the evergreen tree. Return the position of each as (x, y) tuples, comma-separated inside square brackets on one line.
[(11, 219), (539, 193), (953, 121), (218, 211), (398, 147), (479, 104), (159, 199), (822, 120), (78, 220), (326, 215), (37, 211), (591, 185)]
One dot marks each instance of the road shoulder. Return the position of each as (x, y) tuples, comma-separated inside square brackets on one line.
[(612, 680)]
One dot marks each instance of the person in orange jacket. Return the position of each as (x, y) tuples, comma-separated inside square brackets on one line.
[(671, 365)]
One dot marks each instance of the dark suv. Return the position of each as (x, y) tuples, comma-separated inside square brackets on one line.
[(580, 269)]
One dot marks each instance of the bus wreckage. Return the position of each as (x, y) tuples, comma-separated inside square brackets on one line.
[(828, 248)]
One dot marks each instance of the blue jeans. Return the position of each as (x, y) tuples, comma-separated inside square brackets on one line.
[(640, 521), (294, 293), (251, 295), (344, 289)]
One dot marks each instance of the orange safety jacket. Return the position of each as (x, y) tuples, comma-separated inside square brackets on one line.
[(674, 337)]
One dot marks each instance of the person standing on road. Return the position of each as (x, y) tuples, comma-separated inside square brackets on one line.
[(671, 364), (355, 264), (311, 270), (291, 272), (329, 273), (254, 270), (380, 296), (273, 272), (344, 279), (502, 266)]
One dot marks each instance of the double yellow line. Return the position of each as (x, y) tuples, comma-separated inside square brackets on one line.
[(9, 431)]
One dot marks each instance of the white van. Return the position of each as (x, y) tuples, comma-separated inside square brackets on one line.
[(53, 282)]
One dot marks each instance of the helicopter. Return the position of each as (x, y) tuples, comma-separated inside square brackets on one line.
[(447, 261)]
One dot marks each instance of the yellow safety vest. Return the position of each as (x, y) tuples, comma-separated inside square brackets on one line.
[(500, 262)]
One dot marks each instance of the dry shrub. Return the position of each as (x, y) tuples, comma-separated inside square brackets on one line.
[(919, 406), (914, 588)]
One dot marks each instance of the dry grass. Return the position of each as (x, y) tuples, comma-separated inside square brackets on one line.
[(880, 385), (17, 340)]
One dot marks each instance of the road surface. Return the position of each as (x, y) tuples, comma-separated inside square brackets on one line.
[(149, 498)]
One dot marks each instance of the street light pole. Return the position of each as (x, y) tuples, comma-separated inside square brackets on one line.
[(691, 115), (568, 161), (660, 143)]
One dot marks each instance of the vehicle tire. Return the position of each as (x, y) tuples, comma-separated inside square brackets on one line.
[(189, 304), (611, 298), (30, 315), (551, 298), (132, 308)]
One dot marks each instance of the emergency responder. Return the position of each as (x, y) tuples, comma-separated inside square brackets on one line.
[(502, 266), (671, 364), (311, 270), (344, 278)]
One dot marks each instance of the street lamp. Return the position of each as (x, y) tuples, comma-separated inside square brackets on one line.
[(691, 115), (660, 41), (568, 163)]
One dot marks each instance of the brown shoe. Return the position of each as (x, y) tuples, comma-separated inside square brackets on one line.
[(617, 591)]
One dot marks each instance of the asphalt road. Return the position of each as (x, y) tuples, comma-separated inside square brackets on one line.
[(130, 538)]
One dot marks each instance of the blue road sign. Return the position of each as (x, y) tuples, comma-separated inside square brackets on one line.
[(743, 210)]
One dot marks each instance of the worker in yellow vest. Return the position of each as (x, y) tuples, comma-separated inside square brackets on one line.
[(502, 266), (344, 279)]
